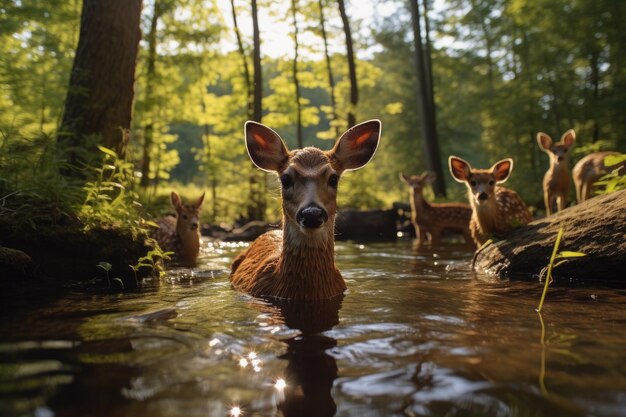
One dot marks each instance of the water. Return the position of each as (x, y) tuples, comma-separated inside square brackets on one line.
[(415, 335)]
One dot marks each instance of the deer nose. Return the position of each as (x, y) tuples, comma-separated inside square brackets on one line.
[(482, 196), (560, 158), (311, 216), (194, 226)]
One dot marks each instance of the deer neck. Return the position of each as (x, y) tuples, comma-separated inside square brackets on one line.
[(307, 263), (486, 214), (559, 169), (189, 242), (418, 203)]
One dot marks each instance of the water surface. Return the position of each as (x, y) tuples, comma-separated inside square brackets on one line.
[(416, 334)]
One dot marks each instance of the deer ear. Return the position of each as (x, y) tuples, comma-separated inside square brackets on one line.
[(357, 145), (502, 169), (199, 202), (459, 168), (265, 147), (568, 138), (404, 178), (176, 201), (429, 177), (544, 141)]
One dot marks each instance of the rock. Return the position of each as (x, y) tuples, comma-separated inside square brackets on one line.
[(366, 225), (596, 227), (14, 262)]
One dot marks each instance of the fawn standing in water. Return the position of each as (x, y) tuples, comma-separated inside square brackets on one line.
[(181, 235), (432, 218), (298, 262), (495, 210), (556, 182)]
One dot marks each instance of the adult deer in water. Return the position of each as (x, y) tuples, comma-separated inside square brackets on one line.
[(432, 218), (495, 210), (556, 181), (298, 262), (589, 170), (181, 234)]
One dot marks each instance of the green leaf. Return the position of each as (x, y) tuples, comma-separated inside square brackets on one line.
[(107, 151), (570, 254), (104, 265)]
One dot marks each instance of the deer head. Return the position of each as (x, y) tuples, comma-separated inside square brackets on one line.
[(558, 152), (418, 182), (481, 183), (187, 216)]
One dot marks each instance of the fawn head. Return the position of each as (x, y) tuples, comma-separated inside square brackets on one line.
[(418, 182), (187, 215), (481, 183), (558, 152), (309, 177)]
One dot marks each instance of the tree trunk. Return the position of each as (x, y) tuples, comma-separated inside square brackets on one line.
[(256, 207), (295, 76), (150, 78), (427, 111), (354, 89), (100, 95), (329, 70), (246, 68)]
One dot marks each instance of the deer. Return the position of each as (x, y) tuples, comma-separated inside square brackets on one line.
[(589, 170), (495, 210), (297, 262), (433, 218), (556, 181), (181, 234)]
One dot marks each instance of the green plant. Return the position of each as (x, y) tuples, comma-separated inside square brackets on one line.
[(561, 257), (107, 267), (152, 259), (613, 181)]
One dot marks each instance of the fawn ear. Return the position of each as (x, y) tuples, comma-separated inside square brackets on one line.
[(357, 145), (429, 177), (176, 201), (459, 168), (502, 169), (568, 138), (544, 141), (265, 147), (199, 202), (404, 178)]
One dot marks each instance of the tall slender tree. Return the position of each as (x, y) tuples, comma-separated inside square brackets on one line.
[(244, 60), (329, 69), (354, 89), (295, 74), (256, 208), (100, 94), (426, 107)]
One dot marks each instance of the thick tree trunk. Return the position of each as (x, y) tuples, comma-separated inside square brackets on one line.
[(354, 89), (295, 75), (100, 95), (427, 110), (595, 227), (329, 69)]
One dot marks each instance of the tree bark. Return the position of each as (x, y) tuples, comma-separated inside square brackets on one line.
[(427, 111), (257, 113), (354, 89), (100, 95), (329, 69), (295, 75)]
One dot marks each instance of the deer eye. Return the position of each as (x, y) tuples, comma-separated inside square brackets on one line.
[(491, 183), (333, 180), (286, 181), (473, 183), (184, 216)]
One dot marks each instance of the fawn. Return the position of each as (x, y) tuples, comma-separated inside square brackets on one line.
[(298, 262), (589, 170), (432, 218), (181, 235), (556, 181), (495, 210)]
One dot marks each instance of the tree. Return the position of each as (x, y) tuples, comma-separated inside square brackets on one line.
[(426, 103), (295, 75), (100, 95), (329, 70), (354, 89)]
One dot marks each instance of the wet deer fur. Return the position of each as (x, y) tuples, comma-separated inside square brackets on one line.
[(298, 262), (181, 234), (557, 180), (495, 210), (433, 218)]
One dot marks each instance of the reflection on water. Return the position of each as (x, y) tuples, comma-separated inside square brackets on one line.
[(416, 334)]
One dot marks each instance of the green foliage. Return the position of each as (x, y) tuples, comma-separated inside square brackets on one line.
[(616, 179)]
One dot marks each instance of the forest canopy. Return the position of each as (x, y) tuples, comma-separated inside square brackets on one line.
[(501, 71)]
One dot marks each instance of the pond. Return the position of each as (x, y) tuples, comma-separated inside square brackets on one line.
[(416, 334)]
